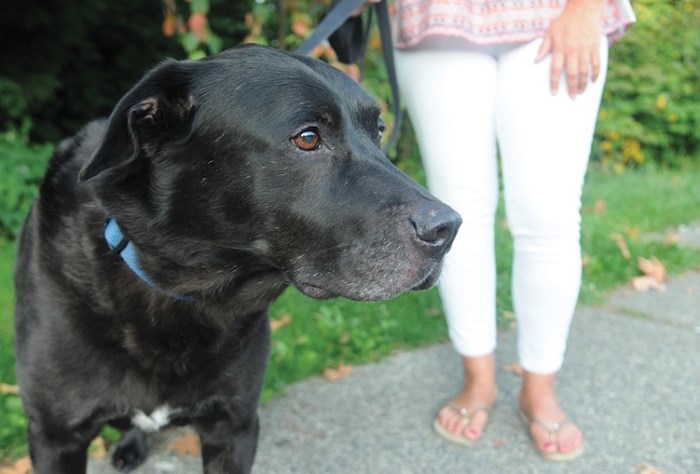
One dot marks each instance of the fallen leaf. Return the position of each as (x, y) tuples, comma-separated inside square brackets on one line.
[(97, 448), (513, 368), (186, 445), (599, 207), (653, 268), (276, 324), (497, 443), (646, 283), (21, 466), (333, 375), (621, 245), (6, 389), (633, 232), (672, 238), (645, 468)]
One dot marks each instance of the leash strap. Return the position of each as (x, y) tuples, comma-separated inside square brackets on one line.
[(336, 17), (388, 49), (331, 22)]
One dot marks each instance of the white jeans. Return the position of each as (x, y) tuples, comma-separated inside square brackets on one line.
[(463, 99)]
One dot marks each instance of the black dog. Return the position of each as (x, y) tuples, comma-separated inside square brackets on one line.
[(162, 235)]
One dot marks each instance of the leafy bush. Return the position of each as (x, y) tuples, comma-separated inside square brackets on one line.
[(651, 104), (65, 62), (22, 168), (12, 428)]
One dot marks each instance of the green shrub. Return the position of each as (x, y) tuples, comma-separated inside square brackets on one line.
[(63, 63), (651, 104), (22, 168)]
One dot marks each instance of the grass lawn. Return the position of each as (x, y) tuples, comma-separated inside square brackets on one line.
[(313, 336), (635, 204)]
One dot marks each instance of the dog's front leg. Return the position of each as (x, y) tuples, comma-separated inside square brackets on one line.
[(227, 449), (55, 455)]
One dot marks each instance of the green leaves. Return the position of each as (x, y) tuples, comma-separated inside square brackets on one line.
[(650, 107), (195, 34), (21, 171)]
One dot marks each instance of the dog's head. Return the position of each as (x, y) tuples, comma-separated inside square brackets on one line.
[(257, 161)]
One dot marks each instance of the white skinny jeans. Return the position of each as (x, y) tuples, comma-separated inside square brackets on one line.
[(463, 99)]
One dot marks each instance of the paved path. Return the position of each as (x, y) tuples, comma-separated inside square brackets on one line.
[(631, 380)]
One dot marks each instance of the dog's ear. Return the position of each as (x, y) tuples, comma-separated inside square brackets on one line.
[(157, 111)]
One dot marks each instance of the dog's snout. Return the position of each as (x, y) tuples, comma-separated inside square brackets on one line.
[(436, 227)]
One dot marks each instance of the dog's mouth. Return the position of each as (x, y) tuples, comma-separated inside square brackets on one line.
[(315, 292), (366, 291), (430, 280)]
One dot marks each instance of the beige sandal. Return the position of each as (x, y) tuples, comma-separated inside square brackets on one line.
[(553, 429), (465, 413)]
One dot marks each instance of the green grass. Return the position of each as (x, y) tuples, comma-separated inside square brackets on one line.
[(323, 334), (636, 203), (7, 294), (13, 425)]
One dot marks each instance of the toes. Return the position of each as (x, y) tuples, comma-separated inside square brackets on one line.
[(568, 439), (471, 428), (131, 451), (472, 433), (452, 422), (575, 443)]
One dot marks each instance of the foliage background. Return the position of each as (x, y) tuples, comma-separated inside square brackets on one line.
[(651, 104), (66, 62)]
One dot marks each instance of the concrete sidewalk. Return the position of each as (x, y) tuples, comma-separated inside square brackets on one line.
[(631, 381)]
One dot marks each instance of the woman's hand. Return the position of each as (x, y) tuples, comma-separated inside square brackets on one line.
[(573, 40)]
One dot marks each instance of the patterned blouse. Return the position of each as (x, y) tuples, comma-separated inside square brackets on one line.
[(494, 21)]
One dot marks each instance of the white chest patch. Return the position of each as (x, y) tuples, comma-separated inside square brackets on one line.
[(153, 422)]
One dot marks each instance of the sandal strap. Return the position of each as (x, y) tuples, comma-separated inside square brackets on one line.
[(552, 428), (468, 413)]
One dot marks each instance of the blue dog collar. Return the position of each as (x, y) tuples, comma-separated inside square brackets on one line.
[(118, 242)]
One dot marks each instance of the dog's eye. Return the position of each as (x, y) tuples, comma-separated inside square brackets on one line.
[(307, 140), (381, 128)]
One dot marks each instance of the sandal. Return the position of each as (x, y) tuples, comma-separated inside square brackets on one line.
[(553, 429), (465, 413)]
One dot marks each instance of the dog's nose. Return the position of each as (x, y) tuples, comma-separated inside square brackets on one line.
[(435, 227)]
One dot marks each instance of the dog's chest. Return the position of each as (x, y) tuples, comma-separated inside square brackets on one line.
[(154, 421)]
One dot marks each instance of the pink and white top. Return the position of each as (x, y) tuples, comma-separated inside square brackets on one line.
[(494, 21)]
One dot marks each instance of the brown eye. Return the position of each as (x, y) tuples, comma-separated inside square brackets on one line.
[(307, 140)]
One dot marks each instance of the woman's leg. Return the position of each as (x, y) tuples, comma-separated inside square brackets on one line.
[(449, 89), (545, 143)]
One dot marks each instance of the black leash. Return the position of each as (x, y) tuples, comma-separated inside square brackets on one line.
[(340, 13)]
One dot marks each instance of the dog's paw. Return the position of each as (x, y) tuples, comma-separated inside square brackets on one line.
[(131, 451)]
